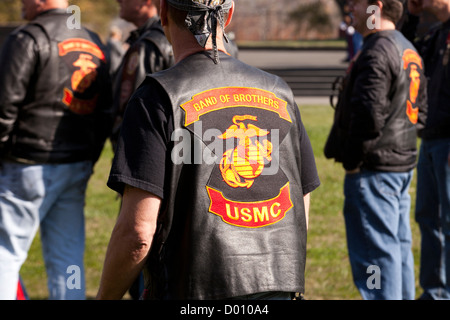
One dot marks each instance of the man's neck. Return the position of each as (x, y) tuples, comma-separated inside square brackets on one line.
[(384, 25), (187, 45)]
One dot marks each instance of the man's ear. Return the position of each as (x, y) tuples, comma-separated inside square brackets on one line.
[(380, 4), (230, 14)]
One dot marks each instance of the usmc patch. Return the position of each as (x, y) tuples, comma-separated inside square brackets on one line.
[(82, 58), (249, 124)]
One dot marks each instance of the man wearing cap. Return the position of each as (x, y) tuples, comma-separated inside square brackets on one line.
[(215, 168)]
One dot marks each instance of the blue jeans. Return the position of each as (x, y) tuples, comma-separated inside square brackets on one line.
[(433, 218), (377, 216), (50, 197)]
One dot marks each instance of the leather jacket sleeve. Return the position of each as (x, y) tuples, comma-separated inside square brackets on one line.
[(18, 61), (368, 103)]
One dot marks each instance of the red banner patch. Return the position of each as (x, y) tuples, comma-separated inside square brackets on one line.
[(230, 97), (80, 45), (250, 214)]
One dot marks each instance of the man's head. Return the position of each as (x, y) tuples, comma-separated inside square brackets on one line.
[(137, 11), (31, 8), (202, 20), (373, 15), (179, 10), (391, 10)]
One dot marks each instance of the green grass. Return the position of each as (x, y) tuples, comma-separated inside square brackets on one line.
[(328, 274)]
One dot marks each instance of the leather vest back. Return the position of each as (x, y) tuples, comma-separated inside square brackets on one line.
[(58, 122), (233, 221)]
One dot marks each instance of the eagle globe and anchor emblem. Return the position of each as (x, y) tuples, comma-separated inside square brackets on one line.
[(242, 165), (237, 188)]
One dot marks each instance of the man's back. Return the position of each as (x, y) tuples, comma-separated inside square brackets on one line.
[(382, 105), (58, 89), (54, 119), (225, 231)]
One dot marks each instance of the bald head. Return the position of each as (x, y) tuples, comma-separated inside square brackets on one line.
[(31, 8)]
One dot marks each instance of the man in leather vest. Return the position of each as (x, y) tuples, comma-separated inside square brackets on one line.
[(148, 52), (55, 114), (215, 168), (433, 169), (381, 107)]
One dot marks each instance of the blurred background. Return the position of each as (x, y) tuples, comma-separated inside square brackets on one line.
[(254, 20), (265, 32)]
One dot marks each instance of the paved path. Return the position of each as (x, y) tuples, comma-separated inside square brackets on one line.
[(269, 59), (296, 59)]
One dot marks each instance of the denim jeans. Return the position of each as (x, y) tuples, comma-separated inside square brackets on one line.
[(433, 218), (377, 219), (50, 198)]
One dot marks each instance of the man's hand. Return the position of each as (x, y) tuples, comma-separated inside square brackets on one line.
[(415, 7)]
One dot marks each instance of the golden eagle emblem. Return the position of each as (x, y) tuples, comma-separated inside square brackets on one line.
[(242, 165)]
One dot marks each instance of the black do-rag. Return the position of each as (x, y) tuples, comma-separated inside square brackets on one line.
[(203, 17)]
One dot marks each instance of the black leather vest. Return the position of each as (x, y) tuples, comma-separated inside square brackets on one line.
[(70, 89), (233, 221)]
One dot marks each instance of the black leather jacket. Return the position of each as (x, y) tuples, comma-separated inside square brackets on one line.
[(55, 92), (380, 107)]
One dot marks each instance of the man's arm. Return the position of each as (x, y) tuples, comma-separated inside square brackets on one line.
[(18, 60), (368, 105), (130, 242)]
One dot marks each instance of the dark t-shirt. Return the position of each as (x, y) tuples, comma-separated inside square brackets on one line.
[(147, 130)]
